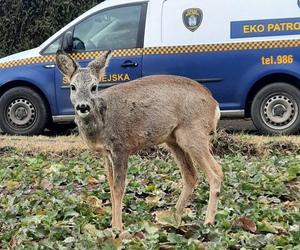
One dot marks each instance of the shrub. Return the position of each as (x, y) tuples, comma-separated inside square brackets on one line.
[(25, 24)]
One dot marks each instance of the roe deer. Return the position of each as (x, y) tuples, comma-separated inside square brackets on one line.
[(123, 119)]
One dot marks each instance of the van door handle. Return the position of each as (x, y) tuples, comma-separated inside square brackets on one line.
[(129, 63), (49, 66)]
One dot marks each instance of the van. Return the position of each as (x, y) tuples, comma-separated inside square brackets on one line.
[(245, 52)]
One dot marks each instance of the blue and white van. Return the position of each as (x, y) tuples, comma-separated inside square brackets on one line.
[(246, 52)]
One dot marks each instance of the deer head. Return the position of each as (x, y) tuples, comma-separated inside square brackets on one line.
[(83, 81)]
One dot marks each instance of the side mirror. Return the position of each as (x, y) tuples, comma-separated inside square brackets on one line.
[(67, 42)]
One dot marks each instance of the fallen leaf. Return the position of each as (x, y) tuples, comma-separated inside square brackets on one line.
[(125, 235), (13, 242), (46, 185), (265, 226), (150, 188), (91, 230), (102, 178), (189, 213), (70, 240), (139, 235), (115, 243), (35, 182), (200, 245), (167, 218), (150, 229), (294, 171), (108, 233), (290, 205), (153, 199), (175, 238), (11, 185), (94, 201), (247, 224), (92, 181), (41, 212)]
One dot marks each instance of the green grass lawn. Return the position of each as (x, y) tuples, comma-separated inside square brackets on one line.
[(61, 201)]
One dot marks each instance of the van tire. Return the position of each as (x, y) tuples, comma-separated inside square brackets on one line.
[(22, 112), (275, 109)]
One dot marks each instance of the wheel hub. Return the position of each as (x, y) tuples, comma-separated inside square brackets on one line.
[(21, 113), (279, 111)]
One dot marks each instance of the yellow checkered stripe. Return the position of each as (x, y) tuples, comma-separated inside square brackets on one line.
[(222, 47), (163, 51), (128, 52), (27, 61)]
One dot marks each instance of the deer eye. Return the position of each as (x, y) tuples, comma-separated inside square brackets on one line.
[(73, 88), (94, 88)]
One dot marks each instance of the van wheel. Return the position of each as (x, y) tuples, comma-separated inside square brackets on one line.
[(275, 109), (22, 112)]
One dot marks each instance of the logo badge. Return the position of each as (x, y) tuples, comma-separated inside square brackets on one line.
[(192, 18)]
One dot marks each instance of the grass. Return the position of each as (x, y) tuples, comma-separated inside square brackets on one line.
[(54, 195)]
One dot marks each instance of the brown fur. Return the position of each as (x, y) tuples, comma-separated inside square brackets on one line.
[(146, 112)]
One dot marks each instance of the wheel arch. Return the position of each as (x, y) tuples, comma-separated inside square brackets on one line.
[(21, 83), (266, 80)]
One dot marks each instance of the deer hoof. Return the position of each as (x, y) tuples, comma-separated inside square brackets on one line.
[(125, 235), (178, 218), (209, 222)]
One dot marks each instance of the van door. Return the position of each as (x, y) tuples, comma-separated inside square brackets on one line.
[(119, 28), (192, 33)]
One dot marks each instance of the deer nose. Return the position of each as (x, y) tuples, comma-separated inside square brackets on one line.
[(83, 108)]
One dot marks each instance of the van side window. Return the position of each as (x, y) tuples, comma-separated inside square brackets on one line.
[(53, 47), (109, 29)]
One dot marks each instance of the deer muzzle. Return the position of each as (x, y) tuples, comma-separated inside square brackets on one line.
[(83, 109)]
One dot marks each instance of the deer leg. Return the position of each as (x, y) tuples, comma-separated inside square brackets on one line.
[(215, 176), (198, 148), (189, 176), (119, 166), (110, 177)]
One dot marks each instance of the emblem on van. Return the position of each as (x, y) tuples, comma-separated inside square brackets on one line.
[(192, 18)]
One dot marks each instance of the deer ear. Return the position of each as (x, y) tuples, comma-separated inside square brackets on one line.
[(99, 65), (66, 64)]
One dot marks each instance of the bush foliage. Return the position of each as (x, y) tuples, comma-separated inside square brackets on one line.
[(25, 24)]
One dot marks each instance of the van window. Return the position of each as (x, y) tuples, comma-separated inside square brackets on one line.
[(53, 47), (109, 29)]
